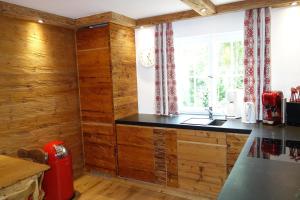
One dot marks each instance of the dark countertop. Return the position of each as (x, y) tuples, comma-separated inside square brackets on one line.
[(250, 178), (175, 121)]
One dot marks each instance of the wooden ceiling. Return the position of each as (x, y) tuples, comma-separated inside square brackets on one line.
[(203, 7), (198, 8), (230, 7)]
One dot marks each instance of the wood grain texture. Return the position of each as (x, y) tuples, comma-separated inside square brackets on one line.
[(203, 7), (160, 156), (171, 157), (230, 7), (148, 21), (13, 170), (108, 89), (104, 188), (135, 136), (136, 162), (209, 137), (165, 156), (123, 61), (20, 12), (107, 17), (235, 144), (202, 162), (252, 4), (135, 152), (38, 88), (96, 98)]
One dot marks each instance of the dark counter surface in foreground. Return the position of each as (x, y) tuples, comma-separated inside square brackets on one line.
[(251, 178)]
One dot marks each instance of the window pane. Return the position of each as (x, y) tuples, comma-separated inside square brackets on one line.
[(191, 58), (219, 57)]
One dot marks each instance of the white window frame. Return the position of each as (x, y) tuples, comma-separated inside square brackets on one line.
[(213, 41)]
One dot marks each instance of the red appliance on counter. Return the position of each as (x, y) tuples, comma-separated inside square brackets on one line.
[(272, 107), (58, 181)]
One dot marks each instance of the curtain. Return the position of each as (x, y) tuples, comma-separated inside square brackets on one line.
[(257, 60), (165, 80)]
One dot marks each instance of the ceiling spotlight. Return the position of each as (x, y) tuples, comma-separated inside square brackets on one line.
[(203, 10), (141, 27), (294, 3), (40, 21)]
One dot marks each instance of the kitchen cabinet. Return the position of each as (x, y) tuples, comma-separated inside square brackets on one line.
[(136, 152), (235, 143), (147, 154), (194, 161), (108, 89), (202, 158)]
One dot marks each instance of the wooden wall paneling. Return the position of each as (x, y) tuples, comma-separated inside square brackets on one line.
[(123, 20), (235, 144), (20, 12), (38, 88), (107, 17), (123, 61)]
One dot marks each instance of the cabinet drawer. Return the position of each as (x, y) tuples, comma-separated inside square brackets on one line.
[(135, 136), (201, 152), (202, 136)]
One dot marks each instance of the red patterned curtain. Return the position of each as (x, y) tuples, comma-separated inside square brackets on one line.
[(165, 80), (257, 60)]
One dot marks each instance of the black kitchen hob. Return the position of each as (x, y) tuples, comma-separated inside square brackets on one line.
[(275, 149)]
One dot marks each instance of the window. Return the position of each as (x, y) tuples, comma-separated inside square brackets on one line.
[(209, 71)]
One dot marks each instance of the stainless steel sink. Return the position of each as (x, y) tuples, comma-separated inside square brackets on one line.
[(197, 121), (217, 122), (204, 121)]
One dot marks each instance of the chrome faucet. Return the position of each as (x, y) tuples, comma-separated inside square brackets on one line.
[(210, 113)]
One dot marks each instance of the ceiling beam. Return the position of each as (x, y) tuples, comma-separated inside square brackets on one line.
[(230, 7), (105, 18), (148, 21), (203, 7), (252, 4), (20, 12)]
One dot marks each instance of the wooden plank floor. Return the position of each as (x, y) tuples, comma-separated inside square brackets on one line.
[(94, 187)]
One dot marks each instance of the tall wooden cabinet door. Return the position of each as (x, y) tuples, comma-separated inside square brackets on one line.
[(94, 71), (201, 167), (96, 98), (135, 152)]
